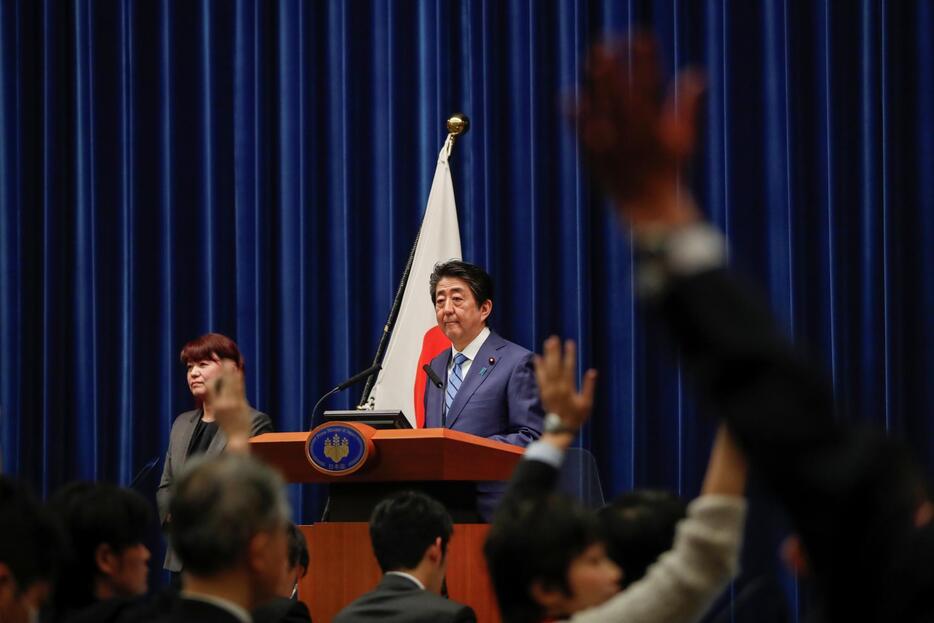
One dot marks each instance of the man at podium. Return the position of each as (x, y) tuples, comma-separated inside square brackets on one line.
[(488, 383)]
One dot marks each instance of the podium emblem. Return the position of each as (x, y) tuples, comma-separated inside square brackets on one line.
[(337, 448)]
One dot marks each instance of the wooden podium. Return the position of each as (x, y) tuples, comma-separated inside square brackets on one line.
[(342, 566)]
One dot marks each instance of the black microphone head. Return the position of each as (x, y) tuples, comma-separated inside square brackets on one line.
[(432, 376), (356, 378), (492, 361)]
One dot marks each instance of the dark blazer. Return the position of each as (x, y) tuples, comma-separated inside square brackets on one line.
[(498, 401), (282, 610), (398, 600), (175, 458), (106, 611), (849, 491), (194, 611)]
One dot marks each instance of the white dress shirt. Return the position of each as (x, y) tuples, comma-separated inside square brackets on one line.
[(222, 603), (470, 351), (408, 576)]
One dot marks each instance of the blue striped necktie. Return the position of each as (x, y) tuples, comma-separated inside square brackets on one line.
[(455, 378)]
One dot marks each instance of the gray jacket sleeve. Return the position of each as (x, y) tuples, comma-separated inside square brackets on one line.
[(261, 423), (168, 476), (685, 581)]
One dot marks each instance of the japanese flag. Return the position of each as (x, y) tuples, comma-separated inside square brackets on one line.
[(416, 338)]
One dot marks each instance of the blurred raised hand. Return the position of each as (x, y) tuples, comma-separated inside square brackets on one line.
[(636, 135), (231, 408)]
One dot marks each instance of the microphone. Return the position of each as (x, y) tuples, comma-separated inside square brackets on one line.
[(147, 468), (356, 378), (433, 376)]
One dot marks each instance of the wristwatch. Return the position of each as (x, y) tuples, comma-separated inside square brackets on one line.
[(554, 424), (680, 252)]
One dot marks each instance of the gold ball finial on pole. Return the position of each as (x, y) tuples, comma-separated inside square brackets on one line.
[(458, 124)]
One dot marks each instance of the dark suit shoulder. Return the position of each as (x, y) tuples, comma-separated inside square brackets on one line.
[(531, 479), (442, 606), (498, 341), (188, 610), (397, 600), (282, 610), (442, 357), (186, 417), (261, 423), (107, 611)]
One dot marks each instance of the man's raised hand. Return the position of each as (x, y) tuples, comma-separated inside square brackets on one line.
[(556, 373)]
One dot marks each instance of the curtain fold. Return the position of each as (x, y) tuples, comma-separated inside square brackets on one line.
[(260, 169)]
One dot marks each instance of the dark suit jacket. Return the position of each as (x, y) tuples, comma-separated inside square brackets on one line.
[(106, 611), (398, 600), (282, 610), (194, 611), (498, 401), (845, 488), (175, 458)]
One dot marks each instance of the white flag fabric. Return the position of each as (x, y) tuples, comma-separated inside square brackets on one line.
[(416, 338)]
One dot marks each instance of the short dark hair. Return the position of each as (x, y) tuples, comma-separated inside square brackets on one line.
[(94, 514), (536, 540), (477, 279), (403, 526), (30, 538), (218, 505), (639, 526), (298, 548), (209, 344)]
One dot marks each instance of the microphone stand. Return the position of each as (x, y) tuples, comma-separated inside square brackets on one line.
[(356, 378)]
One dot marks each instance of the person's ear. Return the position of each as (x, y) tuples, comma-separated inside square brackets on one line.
[(924, 513), (257, 551), (105, 560), (434, 552), (486, 309), (549, 598)]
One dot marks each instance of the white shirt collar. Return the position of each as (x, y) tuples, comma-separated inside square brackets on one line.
[(471, 350), (220, 602), (408, 576)]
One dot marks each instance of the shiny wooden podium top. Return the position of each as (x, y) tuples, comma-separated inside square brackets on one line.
[(428, 454)]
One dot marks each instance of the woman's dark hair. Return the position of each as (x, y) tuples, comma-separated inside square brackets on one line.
[(210, 344)]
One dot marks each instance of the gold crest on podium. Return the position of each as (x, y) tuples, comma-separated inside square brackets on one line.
[(336, 448)]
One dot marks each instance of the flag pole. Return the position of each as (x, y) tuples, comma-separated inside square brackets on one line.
[(457, 124)]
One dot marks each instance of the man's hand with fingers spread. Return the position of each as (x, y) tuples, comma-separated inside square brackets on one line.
[(231, 409), (556, 373)]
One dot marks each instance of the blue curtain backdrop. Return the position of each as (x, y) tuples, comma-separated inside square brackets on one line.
[(260, 169)]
